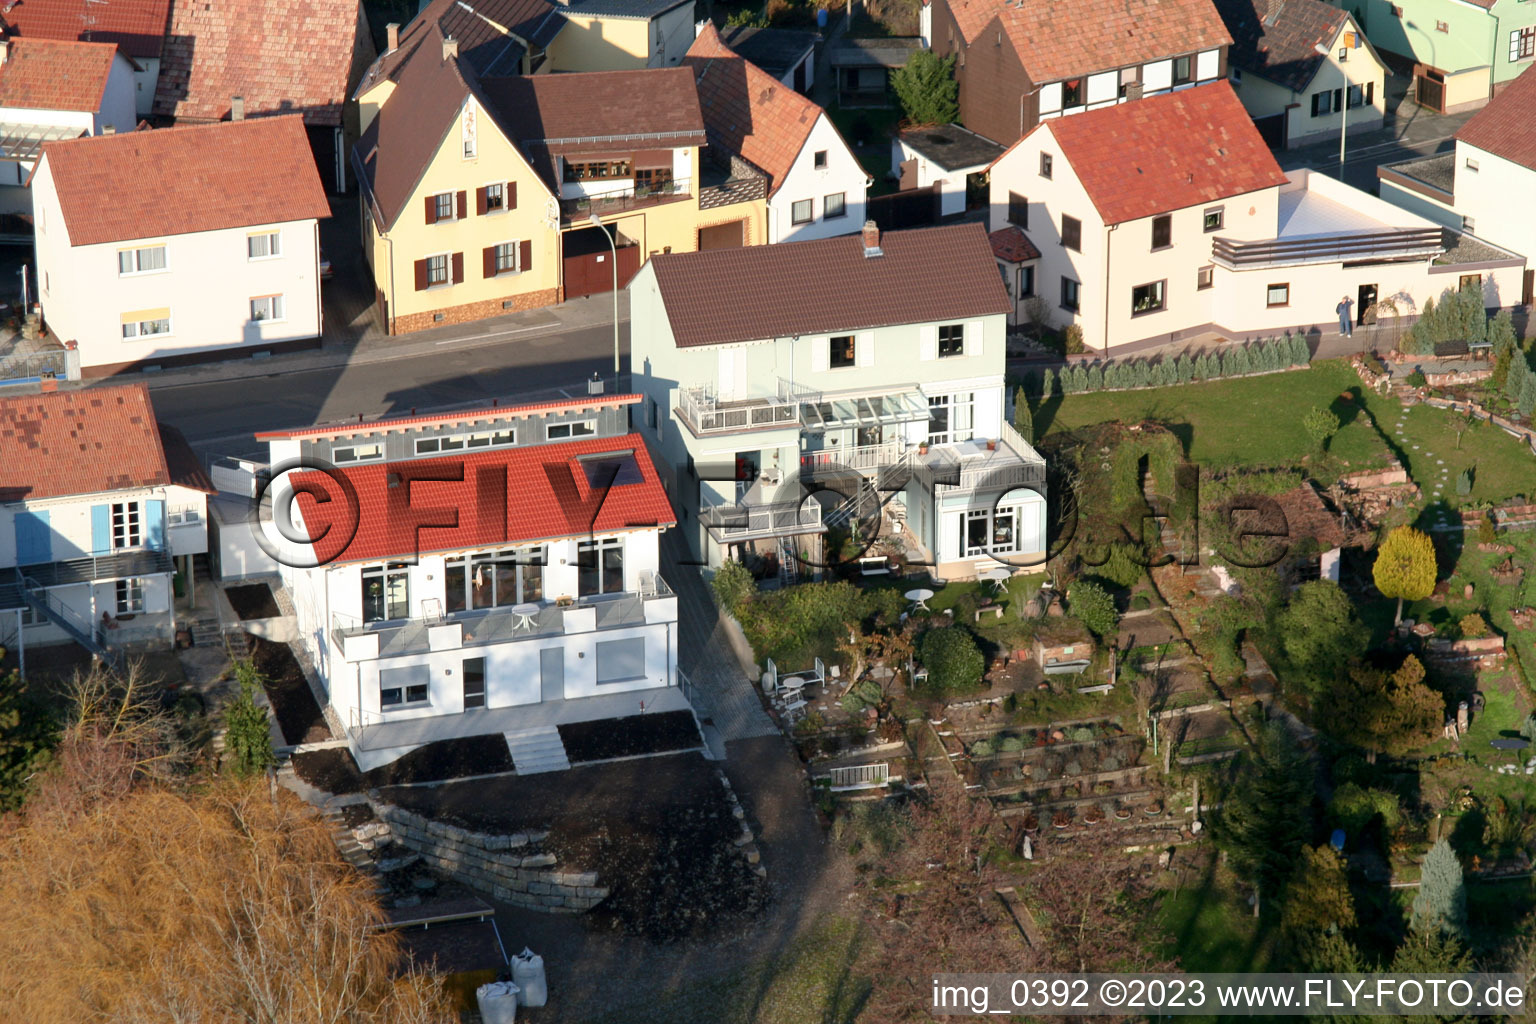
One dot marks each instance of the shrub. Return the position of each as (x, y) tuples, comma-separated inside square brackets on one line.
[(1082, 734), (1093, 606), (247, 736), (1140, 603), (1416, 379), (1464, 482), (733, 586), (1184, 366), (1121, 567), (1501, 333), (983, 748), (927, 89), (1474, 626), (748, 17), (1354, 807), (953, 660), (1095, 377), (1074, 338), (1141, 374), (1010, 745), (1486, 532), (1320, 425)]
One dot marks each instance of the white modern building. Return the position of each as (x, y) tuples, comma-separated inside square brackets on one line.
[(794, 389), (1474, 187), (180, 244), (55, 89), (97, 504), (816, 186), (1146, 244), (948, 158), (491, 571)]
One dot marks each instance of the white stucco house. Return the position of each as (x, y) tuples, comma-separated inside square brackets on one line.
[(100, 507), (500, 574), (56, 89), (816, 187), (947, 157), (1303, 69), (792, 389), (1474, 187), (180, 244), (1143, 243)]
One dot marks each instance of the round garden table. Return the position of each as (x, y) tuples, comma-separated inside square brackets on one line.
[(919, 598)]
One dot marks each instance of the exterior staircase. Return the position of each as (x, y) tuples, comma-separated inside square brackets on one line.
[(537, 750), (84, 633)]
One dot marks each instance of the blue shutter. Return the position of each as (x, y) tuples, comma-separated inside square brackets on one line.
[(154, 525), (101, 529), (34, 539)]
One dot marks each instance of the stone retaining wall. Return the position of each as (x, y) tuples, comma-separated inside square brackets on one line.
[(513, 868)]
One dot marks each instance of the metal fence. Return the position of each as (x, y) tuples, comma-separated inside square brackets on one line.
[(29, 367)]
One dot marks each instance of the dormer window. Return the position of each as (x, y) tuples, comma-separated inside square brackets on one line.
[(1072, 93)]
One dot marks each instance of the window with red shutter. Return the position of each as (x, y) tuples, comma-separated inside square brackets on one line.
[(511, 195), (525, 256), (458, 265), (463, 206), (488, 262), (421, 273), (480, 206), (431, 209)]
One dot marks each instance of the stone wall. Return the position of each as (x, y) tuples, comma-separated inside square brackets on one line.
[(513, 867)]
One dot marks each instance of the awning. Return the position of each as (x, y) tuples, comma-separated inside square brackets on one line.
[(834, 412)]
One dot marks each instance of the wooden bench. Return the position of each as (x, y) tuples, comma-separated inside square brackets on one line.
[(875, 565), (995, 609)]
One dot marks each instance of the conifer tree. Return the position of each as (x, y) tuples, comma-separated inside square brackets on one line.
[(1441, 902)]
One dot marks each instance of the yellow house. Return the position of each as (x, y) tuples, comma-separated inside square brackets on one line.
[(479, 194)]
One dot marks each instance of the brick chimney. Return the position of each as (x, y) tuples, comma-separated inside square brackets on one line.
[(450, 49), (871, 239), (392, 33), (237, 108)]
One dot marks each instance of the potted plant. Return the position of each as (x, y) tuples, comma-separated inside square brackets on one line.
[(1122, 812), (1093, 815), (922, 448), (1061, 819), (1153, 809)]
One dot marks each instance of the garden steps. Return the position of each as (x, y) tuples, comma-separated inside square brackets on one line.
[(537, 750), (1085, 779), (1133, 796)]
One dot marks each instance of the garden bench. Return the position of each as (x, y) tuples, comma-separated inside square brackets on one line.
[(875, 565), (996, 610)]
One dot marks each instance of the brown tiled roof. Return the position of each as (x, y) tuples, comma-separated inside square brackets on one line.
[(1505, 127), (352, 428), (138, 26), (79, 442), (746, 110), (395, 149), (1165, 152), (1012, 245), (481, 46), (1056, 40), (52, 74), (173, 181), (567, 110), (1278, 39), (185, 468), (774, 291), (281, 56)]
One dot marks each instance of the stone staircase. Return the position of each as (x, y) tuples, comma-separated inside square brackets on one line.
[(206, 632), (537, 750)]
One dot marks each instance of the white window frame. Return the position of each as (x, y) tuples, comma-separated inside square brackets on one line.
[(512, 245), (355, 453), (955, 433), (165, 258), (275, 304), (134, 329), (570, 430), (189, 515), (403, 701), (273, 240), (130, 596), (127, 524), (810, 218), (990, 516), (437, 206), (447, 259), (501, 438), (957, 351), (501, 186)]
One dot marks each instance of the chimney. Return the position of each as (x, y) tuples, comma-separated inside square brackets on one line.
[(108, 129), (237, 108), (392, 32), (450, 49), (871, 239)]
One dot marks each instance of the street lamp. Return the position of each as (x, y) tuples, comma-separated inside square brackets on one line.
[(597, 222), (1343, 108)]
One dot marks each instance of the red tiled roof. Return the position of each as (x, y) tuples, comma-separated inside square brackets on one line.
[(1056, 40), (746, 110), (281, 56), (467, 416), (49, 74), (1012, 245), (1165, 153), (1278, 39), (776, 291), (138, 26), (1505, 126), (548, 496), (79, 442), (174, 181)]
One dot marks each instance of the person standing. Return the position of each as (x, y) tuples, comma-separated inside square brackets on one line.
[(1346, 321)]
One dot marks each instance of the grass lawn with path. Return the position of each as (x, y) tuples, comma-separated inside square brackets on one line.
[(1426, 442)]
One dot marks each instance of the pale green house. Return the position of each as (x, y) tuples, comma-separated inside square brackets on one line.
[(1463, 51)]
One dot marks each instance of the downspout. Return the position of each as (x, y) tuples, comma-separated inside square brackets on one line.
[(1494, 66), (1022, 97), (389, 318), (319, 299)]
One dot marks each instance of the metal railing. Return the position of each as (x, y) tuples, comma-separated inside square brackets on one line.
[(1388, 244), (736, 522), (21, 368), (632, 196), (707, 414), (859, 776), (864, 458)]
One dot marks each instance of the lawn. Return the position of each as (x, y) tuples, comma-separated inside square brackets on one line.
[(868, 132), (816, 980), (1425, 440), (1211, 929), (1253, 421)]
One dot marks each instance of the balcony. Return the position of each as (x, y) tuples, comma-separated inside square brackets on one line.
[(1391, 244), (367, 641), (705, 413), (748, 521), (575, 210), (971, 465), (119, 565)]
